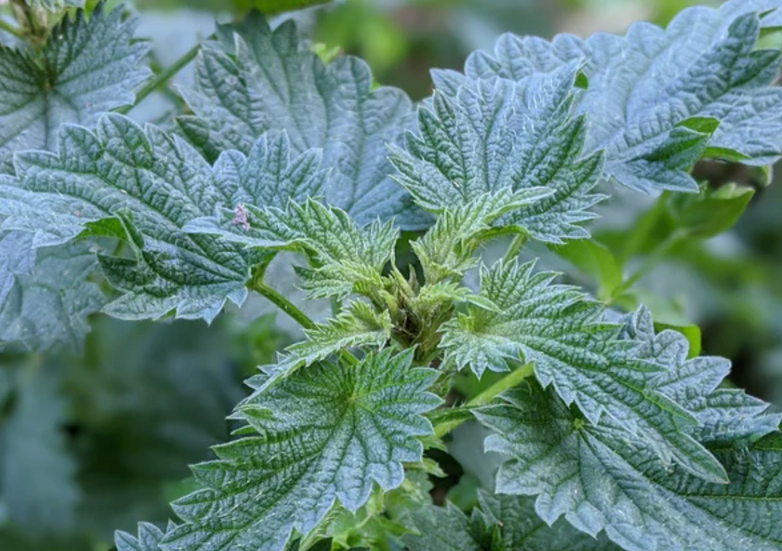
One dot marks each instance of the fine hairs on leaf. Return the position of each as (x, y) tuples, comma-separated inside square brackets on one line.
[(611, 432)]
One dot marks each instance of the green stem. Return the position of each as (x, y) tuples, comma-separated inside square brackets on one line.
[(515, 247), (263, 289), (484, 398), (10, 29), (283, 304), (162, 77), (650, 262)]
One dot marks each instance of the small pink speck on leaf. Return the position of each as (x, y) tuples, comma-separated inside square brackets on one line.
[(240, 217)]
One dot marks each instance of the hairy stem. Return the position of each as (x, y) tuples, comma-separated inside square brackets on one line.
[(282, 303), (511, 380), (651, 261), (163, 77)]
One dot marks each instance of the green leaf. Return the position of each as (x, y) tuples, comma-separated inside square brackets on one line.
[(358, 325), (353, 425), (726, 416), (85, 68), (506, 136), (153, 184), (599, 479), (657, 99), (254, 80), (502, 523), (447, 250), (596, 261), (49, 306), (38, 489), (562, 334), (347, 257), (149, 539), (711, 212)]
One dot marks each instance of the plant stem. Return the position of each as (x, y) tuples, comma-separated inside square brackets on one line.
[(263, 289), (10, 29), (650, 262), (162, 77), (283, 304), (515, 247), (484, 398)]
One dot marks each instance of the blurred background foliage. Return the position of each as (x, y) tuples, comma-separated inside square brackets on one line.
[(95, 441)]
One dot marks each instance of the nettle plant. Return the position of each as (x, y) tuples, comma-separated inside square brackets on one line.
[(612, 434)]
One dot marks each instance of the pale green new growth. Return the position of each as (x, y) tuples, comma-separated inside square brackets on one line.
[(500, 136), (345, 257), (352, 426), (55, 5), (560, 332), (254, 79), (85, 69), (358, 325), (447, 250), (658, 100)]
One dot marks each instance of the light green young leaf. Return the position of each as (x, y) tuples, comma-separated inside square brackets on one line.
[(37, 475), (353, 426), (601, 480), (346, 257), (144, 185), (357, 325), (254, 79), (658, 100), (49, 305), (86, 67), (446, 250), (506, 136), (561, 333)]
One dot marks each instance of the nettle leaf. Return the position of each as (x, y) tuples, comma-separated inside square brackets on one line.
[(504, 135), (347, 257), (353, 426), (726, 415), (49, 305), (254, 79), (149, 539), (560, 331), (501, 523), (38, 489), (658, 100), (86, 67), (599, 479), (144, 186), (357, 325), (446, 250)]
